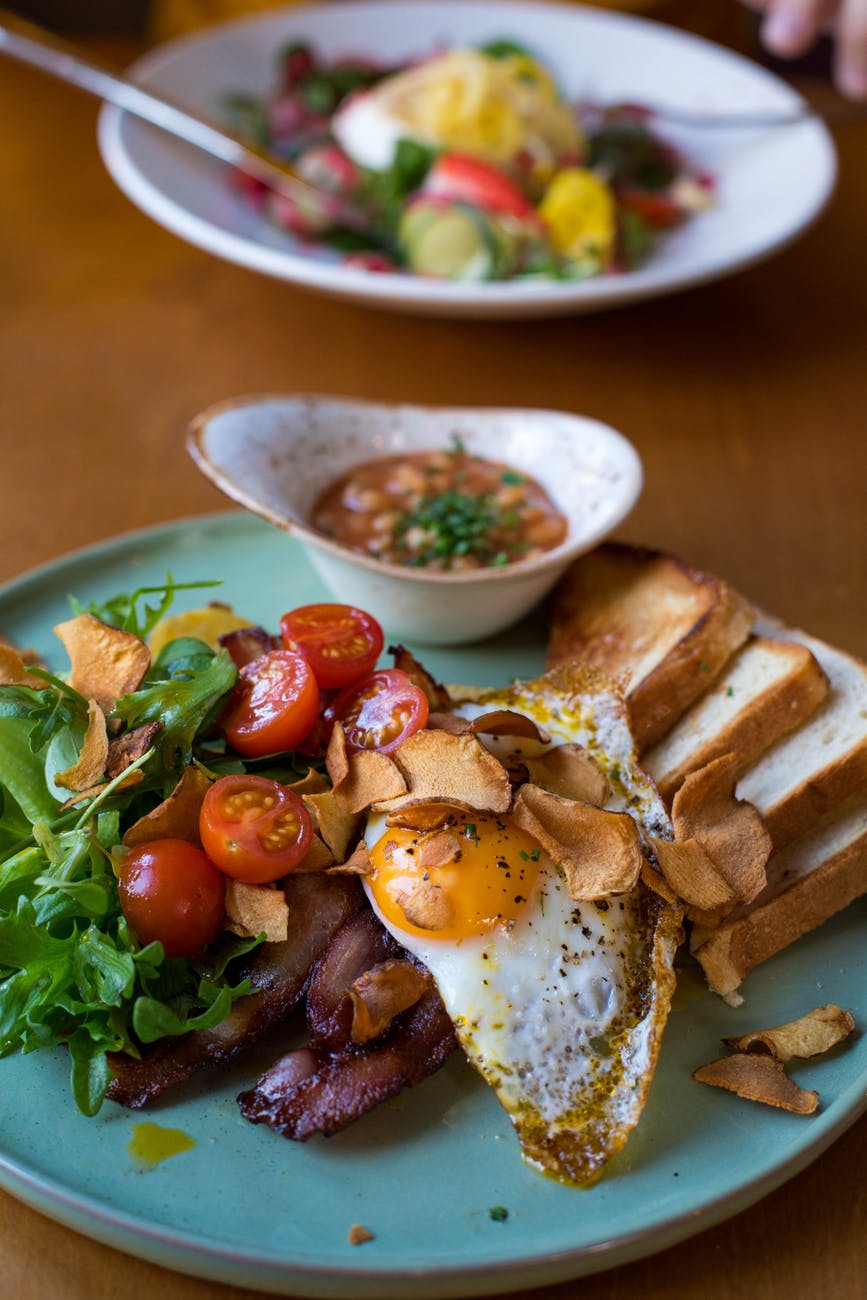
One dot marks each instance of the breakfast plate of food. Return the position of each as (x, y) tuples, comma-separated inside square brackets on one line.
[(469, 978), (477, 159)]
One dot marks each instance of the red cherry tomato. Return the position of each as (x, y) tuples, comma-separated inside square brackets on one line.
[(171, 892), (656, 208), (273, 706), (456, 178), (340, 643), (380, 711), (253, 828)]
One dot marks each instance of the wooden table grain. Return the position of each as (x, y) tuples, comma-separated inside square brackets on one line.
[(745, 399)]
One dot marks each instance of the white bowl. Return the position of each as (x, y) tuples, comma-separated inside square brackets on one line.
[(770, 183), (275, 455)]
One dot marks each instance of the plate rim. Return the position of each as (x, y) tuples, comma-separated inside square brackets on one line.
[(265, 1270), (402, 291)]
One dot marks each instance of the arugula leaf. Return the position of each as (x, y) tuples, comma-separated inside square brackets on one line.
[(122, 611), (184, 694), (22, 772)]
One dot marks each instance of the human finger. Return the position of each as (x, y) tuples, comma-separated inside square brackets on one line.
[(790, 27), (850, 58)]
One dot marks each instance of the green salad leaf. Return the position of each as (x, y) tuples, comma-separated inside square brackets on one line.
[(72, 971)]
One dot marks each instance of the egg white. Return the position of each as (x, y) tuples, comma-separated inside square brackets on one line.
[(561, 1009)]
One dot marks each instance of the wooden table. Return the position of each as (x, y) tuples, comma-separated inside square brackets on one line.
[(746, 400)]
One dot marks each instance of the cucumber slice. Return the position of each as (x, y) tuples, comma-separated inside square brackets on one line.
[(450, 243)]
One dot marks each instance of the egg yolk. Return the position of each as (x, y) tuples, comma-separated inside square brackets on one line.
[(463, 880)]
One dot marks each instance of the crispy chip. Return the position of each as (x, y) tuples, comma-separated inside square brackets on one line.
[(810, 1035), (598, 851), (730, 830), (317, 858), (653, 880), (758, 1078), (507, 722), (361, 779), (313, 783), (177, 817), (358, 1234), (256, 909), (132, 778), (129, 747), (105, 662), (694, 879), (438, 849), (89, 767), (335, 824), (569, 770), (422, 816), (381, 993), (441, 768), (425, 905), (451, 722), (30, 658), (438, 697), (13, 670), (358, 864), (336, 757)]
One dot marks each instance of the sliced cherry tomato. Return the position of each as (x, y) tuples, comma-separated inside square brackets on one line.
[(340, 643), (654, 207), (456, 178), (172, 892), (253, 828), (380, 711), (273, 706)]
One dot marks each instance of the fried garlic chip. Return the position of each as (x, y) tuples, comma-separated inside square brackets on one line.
[(89, 767), (438, 697), (317, 858), (105, 662), (361, 779), (758, 1078), (358, 864), (177, 817), (256, 909), (13, 670), (381, 993), (426, 905), (694, 879), (335, 824), (729, 830), (423, 816), (599, 852), (569, 770), (441, 768), (810, 1035)]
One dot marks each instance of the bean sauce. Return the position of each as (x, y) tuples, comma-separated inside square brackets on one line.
[(446, 510)]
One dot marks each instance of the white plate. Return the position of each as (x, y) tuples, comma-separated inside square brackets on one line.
[(771, 182)]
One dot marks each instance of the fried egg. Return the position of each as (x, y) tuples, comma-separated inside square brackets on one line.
[(559, 1005)]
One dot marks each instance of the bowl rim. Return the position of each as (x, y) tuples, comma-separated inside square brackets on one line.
[(558, 557)]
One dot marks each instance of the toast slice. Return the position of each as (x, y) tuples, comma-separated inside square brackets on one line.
[(652, 621), (813, 770), (808, 882), (768, 688)]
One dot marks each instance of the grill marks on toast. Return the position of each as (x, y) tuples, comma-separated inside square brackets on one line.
[(792, 708)]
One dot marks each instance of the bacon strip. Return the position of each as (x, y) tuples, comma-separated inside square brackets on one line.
[(318, 906), (361, 943), (298, 1101)]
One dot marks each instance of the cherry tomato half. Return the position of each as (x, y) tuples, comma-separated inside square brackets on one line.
[(253, 828), (458, 178), (340, 643), (273, 706), (380, 711), (171, 891)]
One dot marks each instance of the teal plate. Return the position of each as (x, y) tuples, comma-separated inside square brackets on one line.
[(244, 1206)]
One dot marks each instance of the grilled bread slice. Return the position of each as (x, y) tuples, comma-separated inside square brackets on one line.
[(652, 621), (810, 772), (808, 882), (768, 688)]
